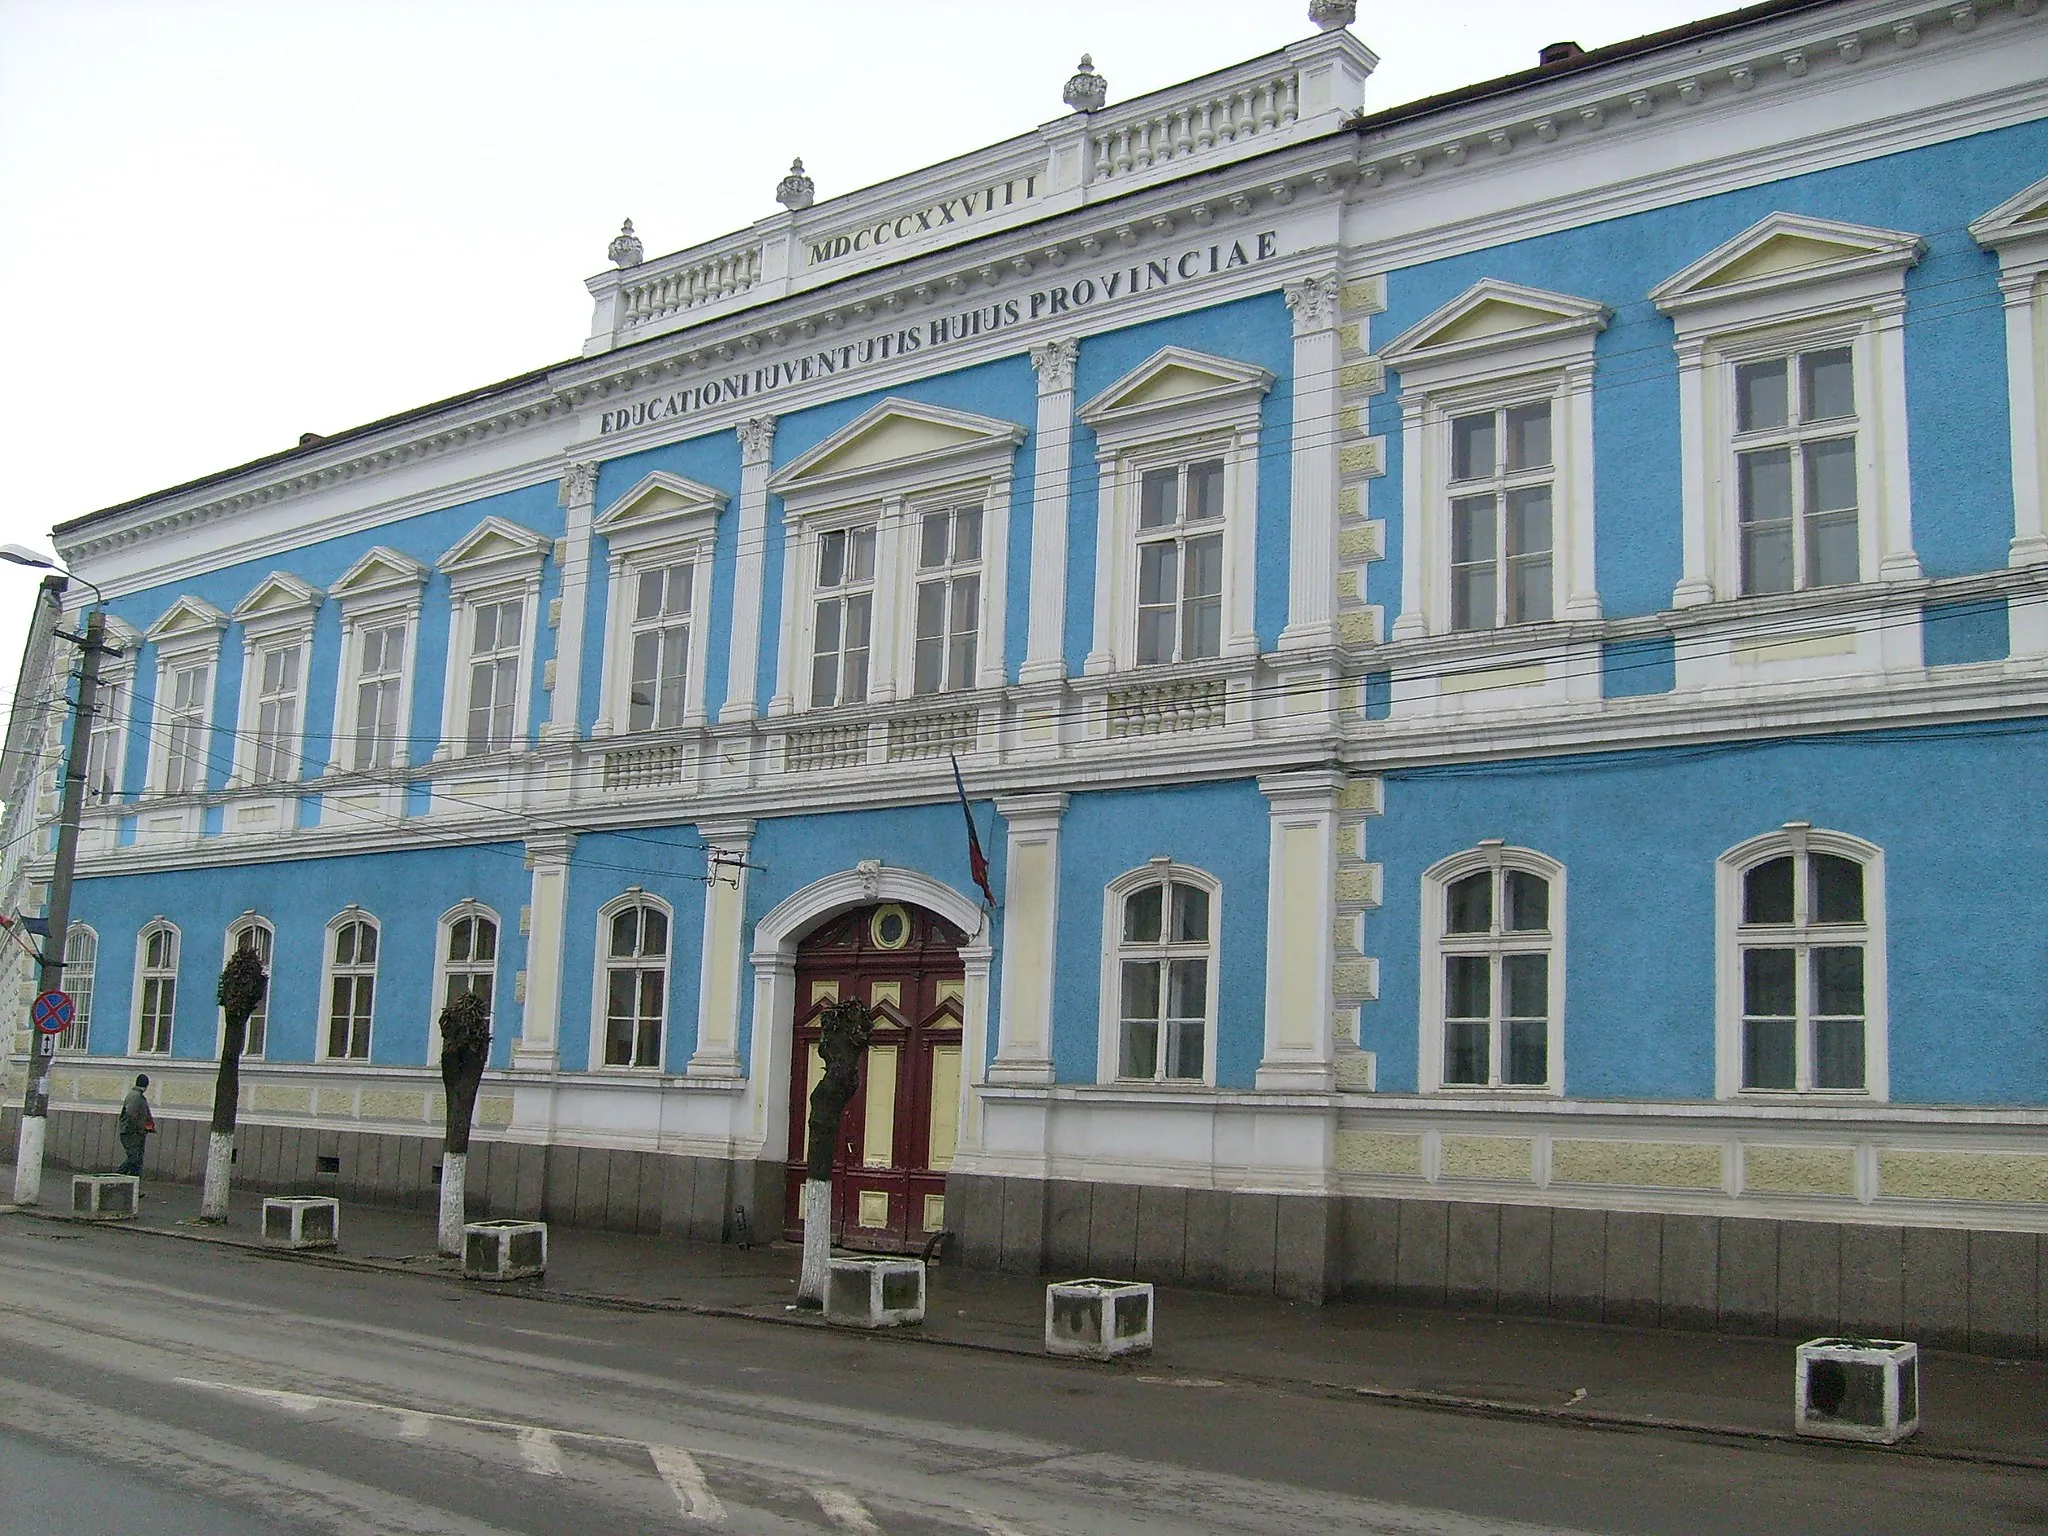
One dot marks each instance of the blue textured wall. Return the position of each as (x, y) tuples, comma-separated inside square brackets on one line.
[(1220, 829), (1639, 834), (405, 892), (1955, 633), (1254, 330), (1632, 668), (1955, 353)]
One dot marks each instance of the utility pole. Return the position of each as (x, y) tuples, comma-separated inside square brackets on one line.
[(35, 1104)]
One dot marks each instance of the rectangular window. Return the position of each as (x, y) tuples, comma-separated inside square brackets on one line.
[(158, 1004), (190, 688), (661, 646), (81, 964), (842, 615), (1180, 563), (495, 638), (1795, 470), (1164, 982), (1497, 955), (277, 714), (380, 675), (1502, 474), (1802, 940), (948, 603), (352, 992), (103, 755)]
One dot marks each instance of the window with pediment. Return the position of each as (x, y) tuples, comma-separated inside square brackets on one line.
[(2017, 229), (1177, 456), (379, 598), (186, 641), (1497, 455), (896, 532), (494, 577), (1792, 409), (107, 739), (658, 540)]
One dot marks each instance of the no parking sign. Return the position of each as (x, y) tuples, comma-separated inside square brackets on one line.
[(53, 1012)]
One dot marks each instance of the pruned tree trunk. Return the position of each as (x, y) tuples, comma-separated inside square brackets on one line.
[(465, 1052), (844, 1030), (242, 984)]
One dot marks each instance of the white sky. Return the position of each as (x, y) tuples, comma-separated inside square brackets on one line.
[(227, 222)]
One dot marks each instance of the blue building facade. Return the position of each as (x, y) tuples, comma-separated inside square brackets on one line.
[(1493, 647)]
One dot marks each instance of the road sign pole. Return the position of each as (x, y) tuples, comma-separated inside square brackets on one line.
[(35, 1104)]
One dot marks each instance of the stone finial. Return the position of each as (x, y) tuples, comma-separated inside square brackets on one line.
[(1086, 91), (625, 249), (796, 191), (1332, 14)]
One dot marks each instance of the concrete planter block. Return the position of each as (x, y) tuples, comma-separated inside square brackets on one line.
[(1098, 1319), (302, 1221), (1857, 1389), (875, 1293), (105, 1196), (504, 1250)]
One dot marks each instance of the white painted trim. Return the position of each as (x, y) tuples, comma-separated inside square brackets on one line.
[(1030, 939), (750, 565), (1493, 856)]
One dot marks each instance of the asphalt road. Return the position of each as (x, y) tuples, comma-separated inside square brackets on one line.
[(169, 1387)]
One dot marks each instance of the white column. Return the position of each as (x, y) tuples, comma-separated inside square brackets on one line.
[(718, 983), (1894, 487), (1312, 525), (784, 701), (2023, 310), (1031, 881), (1300, 911), (1418, 518), (1582, 580), (539, 1045), (1052, 461), (743, 661), (578, 497), (1109, 534), (1696, 585), (889, 654)]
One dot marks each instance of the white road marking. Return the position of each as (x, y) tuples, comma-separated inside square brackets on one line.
[(294, 1402), (542, 1456), (845, 1511), (679, 1469), (412, 1424)]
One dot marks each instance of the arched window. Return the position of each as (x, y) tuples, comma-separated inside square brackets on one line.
[(1159, 985), (81, 960), (1493, 971), (156, 990), (252, 932), (1802, 965), (469, 954), (635, 942), (351, 985)]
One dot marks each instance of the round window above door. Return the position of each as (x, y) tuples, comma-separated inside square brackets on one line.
[(889, 928)]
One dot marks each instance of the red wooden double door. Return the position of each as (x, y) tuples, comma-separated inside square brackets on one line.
[(898, 1135)]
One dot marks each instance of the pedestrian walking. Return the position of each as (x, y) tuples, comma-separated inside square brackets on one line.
[(137, 1123)]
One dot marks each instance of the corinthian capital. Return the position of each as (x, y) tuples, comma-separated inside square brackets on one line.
[(579, 485), (1055, 361), (1314, 302), (757, 437)]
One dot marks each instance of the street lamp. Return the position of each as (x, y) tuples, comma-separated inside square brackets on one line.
[(35, 1103)]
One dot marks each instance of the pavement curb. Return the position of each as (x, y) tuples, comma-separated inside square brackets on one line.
[(1400, 1397)]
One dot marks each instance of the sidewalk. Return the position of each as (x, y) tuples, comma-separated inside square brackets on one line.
[(1974, 1408)]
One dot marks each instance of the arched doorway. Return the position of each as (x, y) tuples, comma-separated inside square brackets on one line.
[(898, 1137)]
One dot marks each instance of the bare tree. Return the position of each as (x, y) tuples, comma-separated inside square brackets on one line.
[(465, 1051), (242, 984), (844, 1030)]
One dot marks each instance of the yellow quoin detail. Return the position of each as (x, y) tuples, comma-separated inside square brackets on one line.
[(1488, 1157), (1799, 1170), (1368, 294), (1379, 1152), (1369, 376), (1644, 1164), (1360, 458), (2007, 1178)]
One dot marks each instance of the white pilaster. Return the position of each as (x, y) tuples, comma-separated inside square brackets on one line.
[(1582, 589), (1312, 526), (578, 496), (2024, 315), (1412, 623), (1898, 562), (1696, 586), (743, 660), (718, 985), (1030, 912), (1300, 1052), (539, 1046), (1051, 482)]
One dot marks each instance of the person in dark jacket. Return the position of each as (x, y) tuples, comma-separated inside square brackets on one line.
[(136, 1124)]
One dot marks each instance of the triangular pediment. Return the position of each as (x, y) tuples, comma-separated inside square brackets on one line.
[(187, 618), (1784, 251), (493, 541), (380, 570), (2023, 216), (1492, 314), (897, 435), (1175, 377), (279, 595), (660, 498)]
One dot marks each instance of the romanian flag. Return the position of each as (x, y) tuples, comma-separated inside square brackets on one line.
[(977, 861)]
